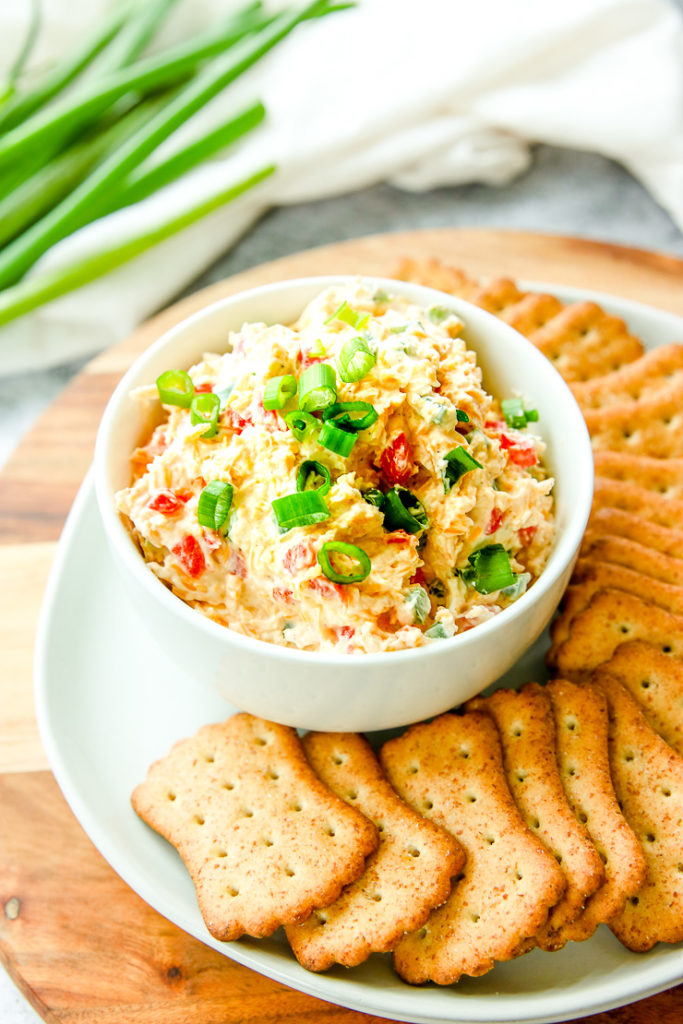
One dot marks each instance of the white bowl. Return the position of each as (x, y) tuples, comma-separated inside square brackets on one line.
[(330, 691)]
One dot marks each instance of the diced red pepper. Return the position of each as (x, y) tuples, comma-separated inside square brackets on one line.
[(346, 632), (300, 556), (233, 421), (396, 461), (202, 389), (190, 555), (418, 576), (166, 502), (398, 537), (236, 564), (494, 522), (527, 534), (326, 587), (184, 494), (212, 539), (307, 359), (521, 453), (280, 594)]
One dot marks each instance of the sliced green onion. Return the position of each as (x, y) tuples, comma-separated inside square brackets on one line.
[(349, 316), (462, 416), (439, 631), (309, 470), (437, 314), (317, 387), (489, 569), (302, 424), (374, 496), (301, 509), (349, 551), (458, 462), (516, 589), (380, 297), (278, 391), (336, 440), (175, 387), (355, 360), (403, 510), (398, 330), (317, 349), (340, 414), (516, 415), (418, 601), (204, 408), (214, 504)]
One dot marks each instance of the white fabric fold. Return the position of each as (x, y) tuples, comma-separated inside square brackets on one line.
[(422, 95)]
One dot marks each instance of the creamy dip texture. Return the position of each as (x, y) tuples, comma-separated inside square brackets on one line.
[(437, 513)]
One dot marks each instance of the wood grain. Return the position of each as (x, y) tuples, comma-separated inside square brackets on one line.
[(80, 944)]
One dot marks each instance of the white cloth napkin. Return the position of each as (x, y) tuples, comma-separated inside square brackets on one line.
[(426, 94)]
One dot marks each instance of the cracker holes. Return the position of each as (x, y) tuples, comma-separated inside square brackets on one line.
[(667, 648), (329, 831), (489, 840), (629, 756), (603, 856), (634, 901), (260, 741), (320, 917), (232, 891), (624, 629), (272, 774), (171, 796), (518, 875), (376, 897), (520, 776), (645, 684), (428, 805), (352, 795), (267, 841), (422, 934), (516, 731), (571, 771), (583, 817), (247, 812), (475, 918), (558, 858), (679, 867), (209, 758), (665, 791), (650, 837), (571, 724), (289, 871), (471, 798), (228, 785), (296, 807), (337, 759), (413, 769), (534, 823), (412, 851), (220, 854), (198, 820), (464, 753)]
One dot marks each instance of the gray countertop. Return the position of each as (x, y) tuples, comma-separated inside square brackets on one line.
[(564, 192)]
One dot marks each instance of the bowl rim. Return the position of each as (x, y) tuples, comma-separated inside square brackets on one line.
[(564, 550)]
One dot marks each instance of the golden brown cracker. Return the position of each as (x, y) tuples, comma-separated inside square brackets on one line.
[(651, 426), (614, 617), (642, 378), (635, 556), (451, 770), (592, 577), (665, 476), (263, 839), (648, 781), (408, 875), (580, 714), (616, 522), (655, 681), (526, 728), (623, 494), (580, 339)]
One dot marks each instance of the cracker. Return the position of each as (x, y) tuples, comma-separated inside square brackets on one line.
[(656, 682), (451, 770), (665, 476), (580, 714), (651, 426), (580, 339), (592, 577), (638, 557), (263, 839), (614, 617), (408, 875), (526, 728), (616, 522), (638, 500), (648, 781), (642, 378)]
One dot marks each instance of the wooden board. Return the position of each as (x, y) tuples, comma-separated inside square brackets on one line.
[(80, 944)]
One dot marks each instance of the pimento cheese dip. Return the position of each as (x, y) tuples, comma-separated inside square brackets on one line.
[(381, 499)]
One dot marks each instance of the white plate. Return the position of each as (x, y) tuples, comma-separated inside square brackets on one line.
[(109, 702)]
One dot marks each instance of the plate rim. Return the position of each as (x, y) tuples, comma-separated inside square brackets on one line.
[(663, 976)]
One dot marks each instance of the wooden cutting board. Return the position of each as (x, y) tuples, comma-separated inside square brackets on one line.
[(80, 944)]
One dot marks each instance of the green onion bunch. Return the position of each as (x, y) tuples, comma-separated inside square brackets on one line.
[(81, 141)]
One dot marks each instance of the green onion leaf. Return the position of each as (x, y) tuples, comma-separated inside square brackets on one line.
[(175, 387), (340, 415), (516, 415), (439, 631), (349, 551), (336, 440), (437, 314), (278, 391), (403, 510), (380, 297), (516, 589), (418, 601), (489, 569), (373, 496), (204, 408), (317, 387), (302, 424), (301, 509), (214, 504), (317, 349), (462, 416), (355, 360), (308, 472), (349, 316), (458, 462)]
